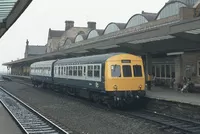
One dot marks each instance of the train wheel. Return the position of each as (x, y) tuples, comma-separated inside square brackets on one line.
[(96, 98), (71, 91), (44, 85)]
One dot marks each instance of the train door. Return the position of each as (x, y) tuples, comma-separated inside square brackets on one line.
[(85, 71)]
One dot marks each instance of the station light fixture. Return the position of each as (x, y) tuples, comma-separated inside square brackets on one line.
[(152, 39), (107, 47), (196, 31), (175, 53)]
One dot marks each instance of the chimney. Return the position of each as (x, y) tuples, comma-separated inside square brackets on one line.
[(68, 25), (91, 25), (27, 42)]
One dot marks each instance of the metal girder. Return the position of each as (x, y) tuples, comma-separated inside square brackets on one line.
[(189, 37), (171, 45), (10, 11)]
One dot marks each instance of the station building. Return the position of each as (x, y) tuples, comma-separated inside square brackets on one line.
[(165, 64)]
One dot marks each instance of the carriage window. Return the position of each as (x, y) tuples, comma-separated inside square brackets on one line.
[(58, 70), (75, 71), (80, 71), (127, 71), (115, 71), (97, 71), (70, 70), (90, 71), (137, 71), (61, 70), (67, 69), (64, 72)]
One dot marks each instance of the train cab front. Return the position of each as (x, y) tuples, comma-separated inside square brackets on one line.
[(125, 79)]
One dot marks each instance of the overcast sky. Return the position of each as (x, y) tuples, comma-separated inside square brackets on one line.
[(41, 15)]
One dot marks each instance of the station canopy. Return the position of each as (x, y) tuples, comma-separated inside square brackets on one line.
[(10, 10)]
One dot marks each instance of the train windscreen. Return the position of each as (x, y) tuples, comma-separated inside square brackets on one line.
[(137, 69), (127, 71), (115, 71)]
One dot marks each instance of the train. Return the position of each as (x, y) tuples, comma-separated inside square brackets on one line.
[(113, 78)]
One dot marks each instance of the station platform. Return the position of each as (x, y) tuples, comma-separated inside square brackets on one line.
[(172, 95), (7, 124)]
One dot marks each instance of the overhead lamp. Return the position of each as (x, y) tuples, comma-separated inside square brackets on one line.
[(107, 47), (175, 53)]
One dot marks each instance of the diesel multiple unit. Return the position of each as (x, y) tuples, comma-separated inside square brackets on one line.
[(115, 77)]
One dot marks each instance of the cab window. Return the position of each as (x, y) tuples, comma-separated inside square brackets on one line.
[(127, 71), (137, 69), (115, 71)]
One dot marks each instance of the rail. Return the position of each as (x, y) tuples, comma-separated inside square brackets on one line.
[(29, 120)]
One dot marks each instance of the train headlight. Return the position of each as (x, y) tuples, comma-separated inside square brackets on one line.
[(115, 87), (140, 87)]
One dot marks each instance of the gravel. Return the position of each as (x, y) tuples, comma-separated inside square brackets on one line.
[(180, 110), (77, 116)]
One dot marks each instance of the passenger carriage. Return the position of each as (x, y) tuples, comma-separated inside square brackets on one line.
[(117, 76)]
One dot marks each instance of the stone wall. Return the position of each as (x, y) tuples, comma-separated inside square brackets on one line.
[(53, 44)]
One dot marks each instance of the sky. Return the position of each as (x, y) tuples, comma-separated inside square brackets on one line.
[(41, 15)]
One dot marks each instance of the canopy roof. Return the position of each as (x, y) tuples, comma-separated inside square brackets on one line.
[(10, 10)]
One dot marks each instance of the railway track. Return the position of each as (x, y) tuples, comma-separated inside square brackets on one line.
[(29, 120), (183, 125)]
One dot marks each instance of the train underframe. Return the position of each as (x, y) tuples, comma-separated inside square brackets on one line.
[(111, 99)]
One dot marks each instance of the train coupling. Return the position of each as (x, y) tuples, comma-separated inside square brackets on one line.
[(116, 98), (137, 97)]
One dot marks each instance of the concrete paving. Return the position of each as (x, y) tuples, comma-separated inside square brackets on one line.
[(7, 124), (173, 95)]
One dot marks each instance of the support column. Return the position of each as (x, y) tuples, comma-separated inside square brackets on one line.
[(178, 70), (148, 70), (12, 70), (148, 65)]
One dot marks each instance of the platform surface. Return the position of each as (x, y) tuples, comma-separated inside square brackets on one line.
[(7, 124), (173, 95)]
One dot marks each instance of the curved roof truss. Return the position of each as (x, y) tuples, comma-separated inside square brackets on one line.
[(136, 20), (170, 9), (113, 27)]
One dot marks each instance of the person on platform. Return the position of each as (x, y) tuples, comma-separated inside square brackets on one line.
[(149, 82)]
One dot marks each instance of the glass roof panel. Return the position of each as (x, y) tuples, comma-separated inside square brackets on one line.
[(6, 7)]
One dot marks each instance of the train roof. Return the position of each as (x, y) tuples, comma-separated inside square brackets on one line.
[(87, 59), (49, 62)]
